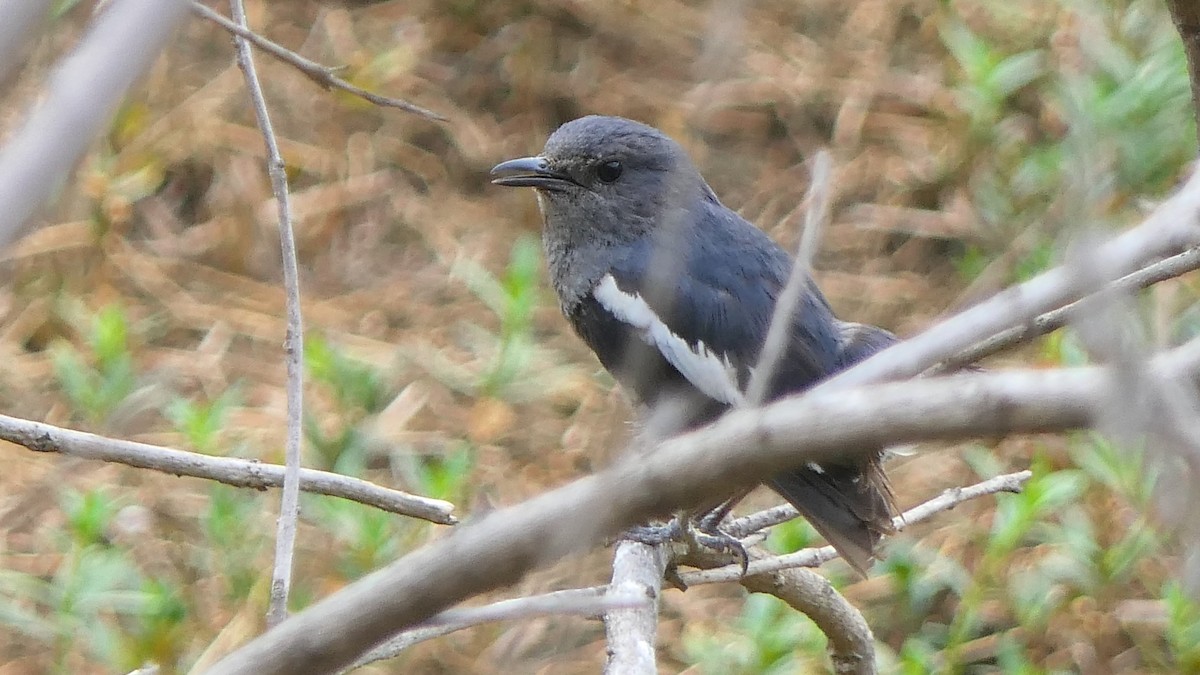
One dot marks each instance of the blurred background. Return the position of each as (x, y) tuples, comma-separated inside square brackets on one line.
[(972, 138)]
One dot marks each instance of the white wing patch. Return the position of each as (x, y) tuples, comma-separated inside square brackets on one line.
[(714, 375)]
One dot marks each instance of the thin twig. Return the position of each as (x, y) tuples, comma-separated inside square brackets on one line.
[(245, 473), (813, 557), (293, 343), (1167, 268), (780, 331), (454, 619), (320, 74), (81, 95), (587, 602)]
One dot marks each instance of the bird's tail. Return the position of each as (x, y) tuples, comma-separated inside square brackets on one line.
[(850, 505)]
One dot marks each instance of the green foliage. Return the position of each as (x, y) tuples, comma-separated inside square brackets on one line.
[(769, 638), (89, 515), (1066, 132), (367, 538), (355, 385), (1183, 628), (234, 540), (513, 298), (358, 390), (443, 477), (202, 422), (98, 382)]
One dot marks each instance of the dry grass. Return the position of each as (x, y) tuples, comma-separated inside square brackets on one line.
[(170, 218)]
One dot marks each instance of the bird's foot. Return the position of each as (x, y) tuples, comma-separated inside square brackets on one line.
[(711, 537), (703, 532), (655, 535)]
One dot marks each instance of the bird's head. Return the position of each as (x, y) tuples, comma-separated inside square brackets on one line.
[(607, 177)]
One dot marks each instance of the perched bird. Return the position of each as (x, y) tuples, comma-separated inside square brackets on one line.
[(674, 293)]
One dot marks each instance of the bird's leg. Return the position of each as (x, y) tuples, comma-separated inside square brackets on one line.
[(708, 533), (656, 535), (710, 521)]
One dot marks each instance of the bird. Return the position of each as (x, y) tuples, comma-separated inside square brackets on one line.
[(674, 293)]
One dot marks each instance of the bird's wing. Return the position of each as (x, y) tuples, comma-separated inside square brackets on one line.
[(858, 341), (714, 369)]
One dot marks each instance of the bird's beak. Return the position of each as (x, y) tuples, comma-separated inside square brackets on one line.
[(530, 172)]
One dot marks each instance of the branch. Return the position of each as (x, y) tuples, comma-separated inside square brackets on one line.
[(632, 632), (83, 92), (779, 332), (813, 557), (452, 620), (682, 472), (588, 602), (1186, 15), (322, 75), (293, 342), (228, 470), (1168, 268), (22, 20), (1170, 229)]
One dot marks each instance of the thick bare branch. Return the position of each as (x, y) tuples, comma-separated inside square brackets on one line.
[(81, 96), (21, 22), (228, 470), (322, 75), (680, 473), (632, 632)]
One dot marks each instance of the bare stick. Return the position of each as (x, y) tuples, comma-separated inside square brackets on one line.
[(851, 644), (780, 331), (1187, 21), (632, 632), (245, 473), (1172, 228), (682, 472), (457, 619), (1168, 268), (322, 75), (293, 343), (587, 602), (812, 557), (82, 94), (22, 19)]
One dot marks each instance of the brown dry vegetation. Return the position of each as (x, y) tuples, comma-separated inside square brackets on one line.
[(170, 217)]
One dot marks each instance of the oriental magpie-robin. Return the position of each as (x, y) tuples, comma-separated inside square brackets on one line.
[(674, 293)]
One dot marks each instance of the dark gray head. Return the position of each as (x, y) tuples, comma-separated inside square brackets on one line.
[(604, 182)]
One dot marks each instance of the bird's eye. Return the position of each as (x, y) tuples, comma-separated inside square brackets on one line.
[(609, 171)]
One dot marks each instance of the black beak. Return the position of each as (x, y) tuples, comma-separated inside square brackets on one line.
[(532, 172)]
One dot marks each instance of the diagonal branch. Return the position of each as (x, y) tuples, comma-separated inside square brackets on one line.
[(458, 619), (780, 330), (1168, 268), (682, 472), (233, 471), (322, 75), (1171, 229), (80, 96)]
